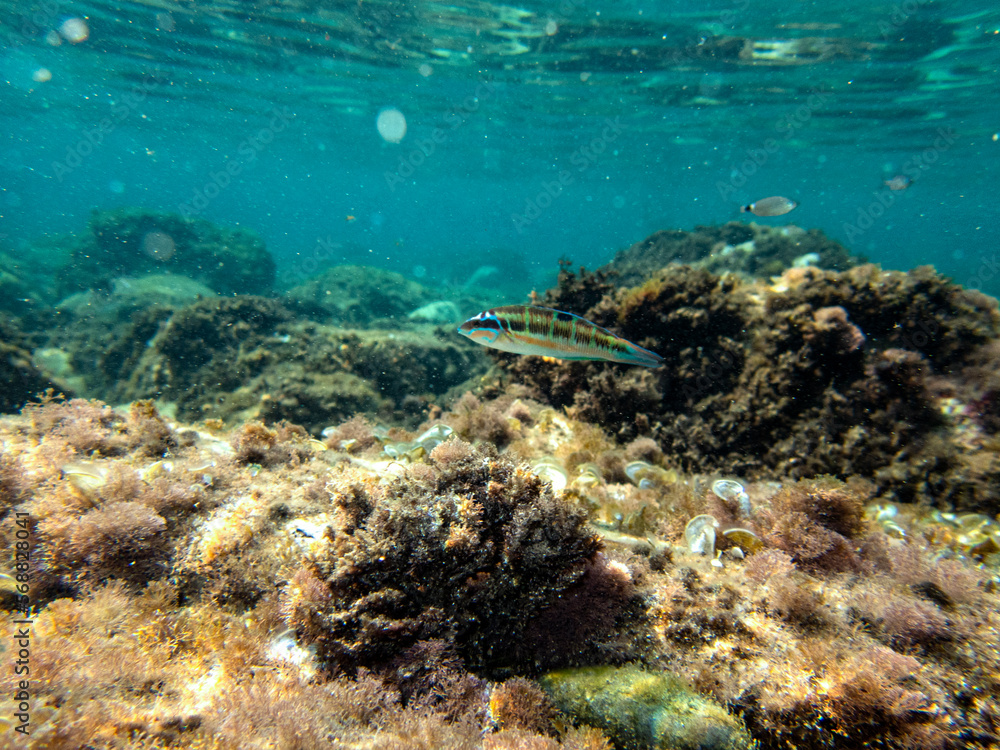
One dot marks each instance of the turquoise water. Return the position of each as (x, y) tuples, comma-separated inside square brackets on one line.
[(533, 131)]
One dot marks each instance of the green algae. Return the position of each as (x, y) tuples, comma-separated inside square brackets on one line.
[(643, 710)]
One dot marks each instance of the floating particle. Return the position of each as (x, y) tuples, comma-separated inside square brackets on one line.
[(551, 28), (776, 205), (117, 187), (159, 246), (419, 272), (899, 182), (41, 75), (74, 30), (425, 70), (165, 22), (53, 39), (391, 124)]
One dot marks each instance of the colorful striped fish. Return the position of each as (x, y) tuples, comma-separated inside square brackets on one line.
[(522, 329)]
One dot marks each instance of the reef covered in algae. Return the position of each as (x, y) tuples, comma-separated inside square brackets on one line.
[(256, 587), (863, 372), (323, 519), (748, 249), (146, 304)]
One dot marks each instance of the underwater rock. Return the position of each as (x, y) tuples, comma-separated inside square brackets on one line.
[(751, 249), (137, 242), (358, 296), (20, 379), (642, 710), (103, 334), (442, 311), (251, 358), (481, 275), (819, 372), (28, 284), (126, 296)]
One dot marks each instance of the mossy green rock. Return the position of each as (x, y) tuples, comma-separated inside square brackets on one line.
[(245, 357), (138, 242), (642, 710)]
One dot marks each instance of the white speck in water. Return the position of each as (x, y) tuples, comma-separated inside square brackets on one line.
[(391, 124), (74, 30)]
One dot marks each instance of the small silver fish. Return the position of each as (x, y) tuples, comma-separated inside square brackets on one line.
[(776, 205), (544, 332)]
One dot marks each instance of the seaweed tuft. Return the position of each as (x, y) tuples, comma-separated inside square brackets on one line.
[(817, 523), (478, 421), (120, 540), (468, 553), (521, 704), (255, 443)]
